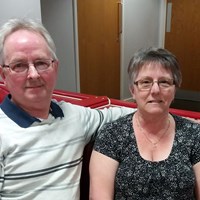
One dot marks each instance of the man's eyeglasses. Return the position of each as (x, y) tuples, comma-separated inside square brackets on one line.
[(146, 84), (22, 67)]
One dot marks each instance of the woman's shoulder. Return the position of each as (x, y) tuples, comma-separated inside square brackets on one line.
[(186, 120), (120, 122), (186, 125)]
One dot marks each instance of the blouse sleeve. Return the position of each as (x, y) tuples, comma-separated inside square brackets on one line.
[(191, 131), (112, 137), (195, 153), (106, 141)]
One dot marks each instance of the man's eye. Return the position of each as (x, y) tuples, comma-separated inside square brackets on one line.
[(41, 64), (19, 66)]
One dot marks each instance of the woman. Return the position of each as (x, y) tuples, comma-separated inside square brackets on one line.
[(150, 154)]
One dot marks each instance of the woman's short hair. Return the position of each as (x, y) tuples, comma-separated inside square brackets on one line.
[(154, 55)]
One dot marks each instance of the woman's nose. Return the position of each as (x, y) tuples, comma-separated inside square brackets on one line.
[(155, 87)]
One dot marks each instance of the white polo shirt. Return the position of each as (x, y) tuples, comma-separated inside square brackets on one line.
[(42, 159)]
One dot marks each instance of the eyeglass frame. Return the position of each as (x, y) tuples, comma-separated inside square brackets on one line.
[(50, 61), (170, 81)]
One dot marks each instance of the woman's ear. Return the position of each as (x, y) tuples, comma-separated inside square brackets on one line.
[(131, 89), (174, 93)]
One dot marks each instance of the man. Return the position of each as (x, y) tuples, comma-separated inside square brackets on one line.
[(42, 140)]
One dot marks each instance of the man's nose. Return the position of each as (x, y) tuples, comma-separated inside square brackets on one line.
[(32, 72)]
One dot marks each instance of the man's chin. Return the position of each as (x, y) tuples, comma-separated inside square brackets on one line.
[(36, 97)]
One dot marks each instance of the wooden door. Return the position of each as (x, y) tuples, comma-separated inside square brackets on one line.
[(99, 47), (184, 40)]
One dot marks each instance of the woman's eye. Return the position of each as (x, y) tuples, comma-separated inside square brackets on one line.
[(146, 82)]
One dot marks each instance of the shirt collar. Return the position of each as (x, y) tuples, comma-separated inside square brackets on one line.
[(22, 118)]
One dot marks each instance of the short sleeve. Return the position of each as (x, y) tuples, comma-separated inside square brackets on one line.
[(195, 153), (106, 141), (112, 137), (191, 132)]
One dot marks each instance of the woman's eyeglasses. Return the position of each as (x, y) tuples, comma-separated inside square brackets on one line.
[(146, 84)]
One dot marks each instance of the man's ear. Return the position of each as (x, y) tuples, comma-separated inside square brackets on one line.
[(56, 64), (2, 73)]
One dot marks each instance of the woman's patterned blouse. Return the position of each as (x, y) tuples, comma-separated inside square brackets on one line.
[(139, 179)]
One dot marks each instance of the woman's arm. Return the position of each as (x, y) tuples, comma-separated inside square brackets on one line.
[(197, 176), (102, 176)]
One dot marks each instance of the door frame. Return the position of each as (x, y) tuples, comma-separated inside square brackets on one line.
[(75, 17)]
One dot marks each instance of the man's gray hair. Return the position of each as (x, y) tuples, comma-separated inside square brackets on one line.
[(13, 25)]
